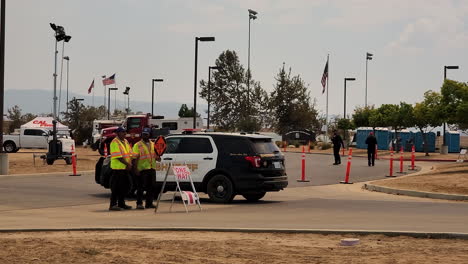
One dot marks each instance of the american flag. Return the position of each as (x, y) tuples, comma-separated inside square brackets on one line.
[(91, 87), (325, 77), (109, 81)]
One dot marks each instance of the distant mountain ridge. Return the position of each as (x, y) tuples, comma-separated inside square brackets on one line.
[(38, 101)]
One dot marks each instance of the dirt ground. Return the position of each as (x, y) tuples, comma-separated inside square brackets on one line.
[(449, 178), (22, 162), (219, 247)]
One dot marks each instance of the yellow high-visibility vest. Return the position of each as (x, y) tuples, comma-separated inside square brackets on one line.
[(146, 158), (120, 149)]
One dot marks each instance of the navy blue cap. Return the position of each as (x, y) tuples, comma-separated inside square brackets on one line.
[(146, 130), (120, 129)]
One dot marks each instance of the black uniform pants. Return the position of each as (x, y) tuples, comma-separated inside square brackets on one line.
[(145, 182), (120, 185), (336, 153), (371, 157)]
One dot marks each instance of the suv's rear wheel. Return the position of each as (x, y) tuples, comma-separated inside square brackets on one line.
[(253, 196), (220, 189)]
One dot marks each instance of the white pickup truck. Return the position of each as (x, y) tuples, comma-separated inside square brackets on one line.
[(27, 138)]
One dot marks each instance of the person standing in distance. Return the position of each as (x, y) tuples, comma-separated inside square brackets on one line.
[(337, 144), (144, 167), (371, 142), (121, 166)]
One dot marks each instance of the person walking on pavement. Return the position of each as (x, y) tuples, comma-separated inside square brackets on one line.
[(144, 167), (371, 142), (337, 144), (121, 166)]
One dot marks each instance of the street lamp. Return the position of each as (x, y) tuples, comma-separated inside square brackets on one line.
[(3, 156), (152, 95), (344, 114), (345, 80), (209, 92), (204, 39), (59, 36), (127, 92), (368, 58), (252, 16), (108, 101), (68, 72), (444, 144)]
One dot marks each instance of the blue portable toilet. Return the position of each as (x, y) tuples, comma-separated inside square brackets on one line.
[(406, 137), (418, 141), (383, 138), (452, 138), (361, 135)]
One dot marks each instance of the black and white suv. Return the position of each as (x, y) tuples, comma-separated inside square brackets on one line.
[(226, 164), (221, 164)]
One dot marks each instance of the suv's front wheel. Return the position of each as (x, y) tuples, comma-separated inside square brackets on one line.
[(253, 196), (220, 189)]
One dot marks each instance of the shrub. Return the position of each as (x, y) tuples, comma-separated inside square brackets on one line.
[(326, 146)]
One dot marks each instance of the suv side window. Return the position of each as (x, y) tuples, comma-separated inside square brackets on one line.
[(188, 145), (234, 146)]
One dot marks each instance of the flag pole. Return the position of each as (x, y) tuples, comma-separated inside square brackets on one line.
[(328, 81), (93, 93)]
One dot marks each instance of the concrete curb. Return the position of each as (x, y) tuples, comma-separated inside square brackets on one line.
[(443, 196), (43, 174), (431, 235)]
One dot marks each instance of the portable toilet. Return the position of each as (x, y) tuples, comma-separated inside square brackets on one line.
[(406, 139), (418, 141), (361, 136), (383, 138), (452, 139)]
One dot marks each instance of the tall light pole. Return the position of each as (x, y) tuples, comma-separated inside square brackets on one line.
[(3, 156), (204, 39), (209, 92), (368, 58), (108, 102), (68, 73), (152, 95), (344, 113), (103, 78), (444, 144), (59, 36), (252, 16), (345, 80), (127, 92)]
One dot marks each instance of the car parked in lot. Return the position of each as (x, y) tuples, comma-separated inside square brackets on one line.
[(222, 165)]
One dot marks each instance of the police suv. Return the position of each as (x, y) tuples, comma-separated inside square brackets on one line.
[(224, 165)]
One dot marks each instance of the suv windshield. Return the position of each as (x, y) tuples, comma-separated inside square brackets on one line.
[(264, 145)]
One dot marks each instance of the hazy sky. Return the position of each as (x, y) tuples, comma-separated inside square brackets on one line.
[(144, 39)]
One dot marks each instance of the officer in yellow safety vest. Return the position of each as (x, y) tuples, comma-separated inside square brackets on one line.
[(144, 165), (121, 166)]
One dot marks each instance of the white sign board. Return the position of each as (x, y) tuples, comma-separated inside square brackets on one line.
[(181, 172)]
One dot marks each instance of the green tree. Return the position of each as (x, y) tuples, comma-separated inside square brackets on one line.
[(362, 115), (14, 114), (455, 102), (396, 116), (184, 111), (27, 117), (428, 113), (291, 104), (80, 119), (230, 109)]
